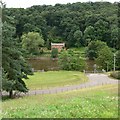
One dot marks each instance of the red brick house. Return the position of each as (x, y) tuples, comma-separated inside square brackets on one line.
[(59, 46)]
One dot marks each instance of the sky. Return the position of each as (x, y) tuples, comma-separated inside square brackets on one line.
[(29, 3)]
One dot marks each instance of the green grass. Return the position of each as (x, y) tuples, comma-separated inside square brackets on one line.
[(42, 80), (96, 102), (80, 50)]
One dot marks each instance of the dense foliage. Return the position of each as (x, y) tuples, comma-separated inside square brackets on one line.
[(103, 55), (118, 60), (68, 60), (76, 24), (32, 43), (54, 53), (115, 75), (105, 58), (93, 49), (14, 65)]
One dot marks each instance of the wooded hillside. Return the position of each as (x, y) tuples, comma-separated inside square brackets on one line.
[(75, 24)]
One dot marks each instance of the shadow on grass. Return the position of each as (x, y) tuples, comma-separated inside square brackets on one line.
[(6, 97)]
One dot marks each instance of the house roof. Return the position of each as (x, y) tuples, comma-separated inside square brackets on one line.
[(62, 44)]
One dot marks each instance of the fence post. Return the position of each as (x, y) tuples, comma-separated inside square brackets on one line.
[(35, 91), (56, 91)]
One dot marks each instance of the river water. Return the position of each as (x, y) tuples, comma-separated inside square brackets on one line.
[(45, 63)]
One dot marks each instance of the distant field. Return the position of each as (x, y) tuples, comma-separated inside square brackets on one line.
[(55, 78), (80, 50), (96, 102)]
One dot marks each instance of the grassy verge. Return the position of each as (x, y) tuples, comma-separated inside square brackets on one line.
[(96, 102), (48, 79)]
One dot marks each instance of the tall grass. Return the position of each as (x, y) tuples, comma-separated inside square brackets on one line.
[(96, 102)]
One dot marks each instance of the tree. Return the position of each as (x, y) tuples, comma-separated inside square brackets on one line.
[(54, 53), (118, 60), (102, 30), (30, 28), (105, 58), (32, 42), (114, 38), (89, 34), (14, 66), (93, 48), (68, 60), (48, 44), (64, 20), (78, 37)]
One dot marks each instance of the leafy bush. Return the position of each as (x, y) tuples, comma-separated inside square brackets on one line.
[(115, 75), (93, 48), (70, 61), (118, 60), (105, 58), (33, 43), (54, 53)]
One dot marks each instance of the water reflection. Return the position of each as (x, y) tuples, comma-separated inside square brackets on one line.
[(43, 63), (46, 63)]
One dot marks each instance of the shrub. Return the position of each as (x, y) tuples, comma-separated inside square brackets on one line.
[(54, 53), (115, 75), (118, 60), (70, 61), (93, 48), (105, 58)]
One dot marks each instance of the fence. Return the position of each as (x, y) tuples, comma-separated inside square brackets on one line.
[(56, 90), (96, 71)]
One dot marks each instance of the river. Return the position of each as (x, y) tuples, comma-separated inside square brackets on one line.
[(46, 64)]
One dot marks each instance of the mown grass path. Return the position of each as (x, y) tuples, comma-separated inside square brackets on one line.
[(95, 80)]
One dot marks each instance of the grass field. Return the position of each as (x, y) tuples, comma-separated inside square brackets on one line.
[(80, 50), (96, 102), (55, 78)]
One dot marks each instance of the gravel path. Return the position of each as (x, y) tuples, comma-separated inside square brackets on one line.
[(94, 80)]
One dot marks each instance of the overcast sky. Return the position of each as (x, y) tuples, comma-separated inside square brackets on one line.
[(28, 3)]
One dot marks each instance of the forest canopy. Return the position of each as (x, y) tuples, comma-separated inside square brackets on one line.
[(75, 24)]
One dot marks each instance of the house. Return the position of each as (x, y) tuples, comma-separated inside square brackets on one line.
[(59, 46)]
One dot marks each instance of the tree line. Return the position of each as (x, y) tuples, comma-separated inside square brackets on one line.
[(75, 24)]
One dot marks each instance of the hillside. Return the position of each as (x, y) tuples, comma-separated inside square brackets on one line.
[(75, 24)]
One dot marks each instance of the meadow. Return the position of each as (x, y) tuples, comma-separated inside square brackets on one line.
[(95, 102), (49, 79)]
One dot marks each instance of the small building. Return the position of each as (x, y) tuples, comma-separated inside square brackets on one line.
[(59, 46)]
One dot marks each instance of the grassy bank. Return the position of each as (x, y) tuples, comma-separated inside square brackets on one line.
[(96, 102), (48, 79)]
